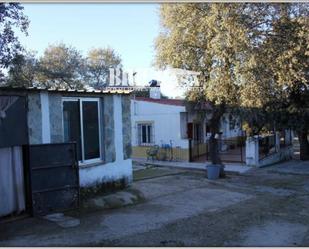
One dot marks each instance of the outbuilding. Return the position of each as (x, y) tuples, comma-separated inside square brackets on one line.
[(54, 142)]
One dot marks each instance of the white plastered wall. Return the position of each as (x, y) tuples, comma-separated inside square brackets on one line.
[(166, 120)]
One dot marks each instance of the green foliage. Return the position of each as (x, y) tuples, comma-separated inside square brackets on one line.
[(23, 70), (289, 49), (248, 55), (278, 81), (254, 57), (211, 39), (99, 61), (216, 40), (11, 17), (62, 66)]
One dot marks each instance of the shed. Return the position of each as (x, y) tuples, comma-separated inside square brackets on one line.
[(56, 140)]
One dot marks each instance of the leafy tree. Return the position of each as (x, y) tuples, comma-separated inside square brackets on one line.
[(276, 86), (24, 70), (215, 40), (61, 66), (287, 48), (99, 61), (11, 16), (252, 58)]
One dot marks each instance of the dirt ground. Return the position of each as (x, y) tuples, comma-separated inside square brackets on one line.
[(264, 207)]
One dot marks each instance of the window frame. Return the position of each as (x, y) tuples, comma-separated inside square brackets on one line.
[(81, 100), (140, 135)]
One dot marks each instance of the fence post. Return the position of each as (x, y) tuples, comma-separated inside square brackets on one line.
[(252, 151), (241, 155), (277, 141), (190, 150), (288, 137)]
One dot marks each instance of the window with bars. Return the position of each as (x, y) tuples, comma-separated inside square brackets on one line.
[(145, 134)]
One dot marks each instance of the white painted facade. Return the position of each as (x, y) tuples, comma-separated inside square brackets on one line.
[(170, 123), (166, 120), (108, 172)]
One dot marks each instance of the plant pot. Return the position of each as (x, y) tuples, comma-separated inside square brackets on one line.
[(213, 171)]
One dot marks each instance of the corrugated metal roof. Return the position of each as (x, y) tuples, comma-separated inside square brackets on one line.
[(107, 90)]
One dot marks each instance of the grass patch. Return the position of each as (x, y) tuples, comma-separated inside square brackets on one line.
[(150, 173)]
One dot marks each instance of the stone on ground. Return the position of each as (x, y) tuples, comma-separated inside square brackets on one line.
[(61, 220)]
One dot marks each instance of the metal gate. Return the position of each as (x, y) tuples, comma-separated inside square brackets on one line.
[(230, 150), (198, 151), (54, 177)]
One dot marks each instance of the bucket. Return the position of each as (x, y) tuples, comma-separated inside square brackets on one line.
[(213, 171)]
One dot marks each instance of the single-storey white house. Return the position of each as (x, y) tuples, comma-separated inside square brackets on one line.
[(157, 121), (178, 132), (55, 140)]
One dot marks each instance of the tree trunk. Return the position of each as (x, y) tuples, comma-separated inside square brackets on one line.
[(214, 125), (303, 145), (213, 150)]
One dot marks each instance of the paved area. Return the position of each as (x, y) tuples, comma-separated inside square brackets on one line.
[(227, 156), (262, 207), (229, 167), (292, 167)]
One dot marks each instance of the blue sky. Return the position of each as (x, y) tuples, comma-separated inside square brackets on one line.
[(128, 28)]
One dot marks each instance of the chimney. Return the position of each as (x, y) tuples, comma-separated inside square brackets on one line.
[(154, 92)]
